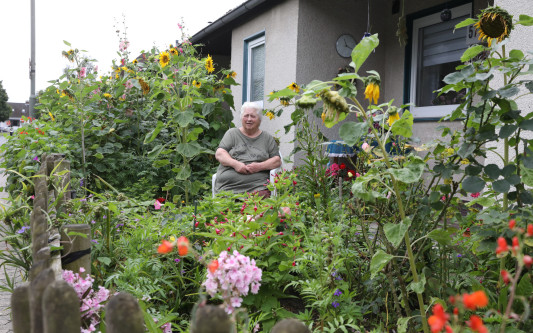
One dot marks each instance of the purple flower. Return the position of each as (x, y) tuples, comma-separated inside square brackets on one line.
[(177, 260), (21, 230), (93, 221), (335, 304), (338, 292), (94, 241), (459, 255), (120, 225), (36, 158)]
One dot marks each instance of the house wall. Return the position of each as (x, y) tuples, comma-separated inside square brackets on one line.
[(280, 25)]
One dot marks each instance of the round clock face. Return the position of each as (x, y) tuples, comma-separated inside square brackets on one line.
[(345, 45)]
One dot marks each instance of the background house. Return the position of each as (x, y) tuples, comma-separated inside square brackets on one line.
[(270, 44), (19, 110)]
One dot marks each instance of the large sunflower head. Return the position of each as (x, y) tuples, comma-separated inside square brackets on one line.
[(164, 59), (494, 23), (209, 64)]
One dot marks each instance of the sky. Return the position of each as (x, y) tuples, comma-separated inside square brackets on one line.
[(90, 26)]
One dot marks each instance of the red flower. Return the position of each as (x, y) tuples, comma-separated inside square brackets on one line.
[(475, 300), (505, 276), (439, 319), (183, 246), (530, 230), (213, 266), (474, 195), (512, 224), (476, 324), (165, 247), (528, 261), (502, 245), (516, 246), (342, 166), (161, 200)]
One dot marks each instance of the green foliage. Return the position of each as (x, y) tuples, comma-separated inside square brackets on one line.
[(5, 109)]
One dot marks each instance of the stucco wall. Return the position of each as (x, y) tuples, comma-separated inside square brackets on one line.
[(280, 25)]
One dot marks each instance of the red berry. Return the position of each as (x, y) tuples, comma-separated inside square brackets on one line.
[(505, 276), (530, 230), (528, 261), (512, 224)]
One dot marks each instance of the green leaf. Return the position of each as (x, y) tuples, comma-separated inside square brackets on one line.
[(362, 50), (402, 324), (99, 155), (150, 136), (526, 124), (183, 172), (508, 170), (154, 153), (346, 76), (509, 91), (525, 288), (351, 132), (493, 171), (473, 170), (471, 52), (189, 149), (395, 232), (525, 20), (332, 122), (473, 184), (465, 23), (507, 130), (527, 175), (418, 287), (160, 163), (286, 92), (66, 43), (466, 149), (316, 86), (516, 54), (184, 118), (501, 186), (379, 260), (453, 78), (441, 236), (411, 173), (105, 260), (404, 125)]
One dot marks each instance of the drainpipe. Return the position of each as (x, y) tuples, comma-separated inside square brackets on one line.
[(32, 62)]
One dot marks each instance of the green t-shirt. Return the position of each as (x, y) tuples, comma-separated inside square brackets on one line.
[(245, 150)]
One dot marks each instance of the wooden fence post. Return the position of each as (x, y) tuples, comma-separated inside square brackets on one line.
[(20, 309), (61, 309), (37, 287), (124, 315), (76, 249), (290, 325), (63, 182), (211, 319)]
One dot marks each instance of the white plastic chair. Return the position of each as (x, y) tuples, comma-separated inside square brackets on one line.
[(272, 176)]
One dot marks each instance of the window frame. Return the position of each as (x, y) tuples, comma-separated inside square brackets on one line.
[(435, 112), (251, 42)]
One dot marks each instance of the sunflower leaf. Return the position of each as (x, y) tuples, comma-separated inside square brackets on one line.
[(525, 20), (465, 23), (471, 52), (362, 50)]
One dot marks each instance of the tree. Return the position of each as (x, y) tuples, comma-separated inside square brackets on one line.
[(5, 109)]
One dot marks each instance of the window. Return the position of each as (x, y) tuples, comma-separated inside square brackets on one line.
[(436, 51), (254, 68)]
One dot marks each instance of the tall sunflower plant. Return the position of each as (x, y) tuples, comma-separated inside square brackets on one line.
[(389, 175), (187, 95)]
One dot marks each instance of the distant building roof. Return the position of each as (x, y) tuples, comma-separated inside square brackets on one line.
[(19, 110)]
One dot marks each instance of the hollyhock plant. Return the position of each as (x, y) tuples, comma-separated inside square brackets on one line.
[(235, 276)]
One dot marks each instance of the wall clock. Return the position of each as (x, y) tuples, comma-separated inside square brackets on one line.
[(345, 44)]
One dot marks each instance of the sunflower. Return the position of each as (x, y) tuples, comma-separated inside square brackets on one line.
[(372, 91), (144, 86), (209, 64), (393, 115), (294, 87), (173, 51), (135, 61), (232, 74), (494, 23), (197, 84), (108, 96), (323, 116), (164, 59)]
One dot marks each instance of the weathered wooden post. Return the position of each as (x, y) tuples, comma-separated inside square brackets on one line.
[(37, 287), (61, 309), (76, 249), (290, 325), (211, 319), (63, 182), (124, 315), (20, 309)]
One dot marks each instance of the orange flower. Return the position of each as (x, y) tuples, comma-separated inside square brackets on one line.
[(213, 266), (502, 246), (476, 324), (475, 300), (183, 246), (439, 319), (530, 230), (512, 224), (165, 247), (516, 245)]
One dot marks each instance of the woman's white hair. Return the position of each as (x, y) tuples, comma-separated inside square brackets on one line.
[(254, 106)]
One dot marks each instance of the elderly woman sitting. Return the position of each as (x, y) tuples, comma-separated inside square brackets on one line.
[(246, 155)]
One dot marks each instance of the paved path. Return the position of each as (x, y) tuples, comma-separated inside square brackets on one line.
[(5, 297)]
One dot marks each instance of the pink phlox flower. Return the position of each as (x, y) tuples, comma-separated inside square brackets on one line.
[(128, 84), (123, 46), (167, 328), (82, 73), (157, 205)]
